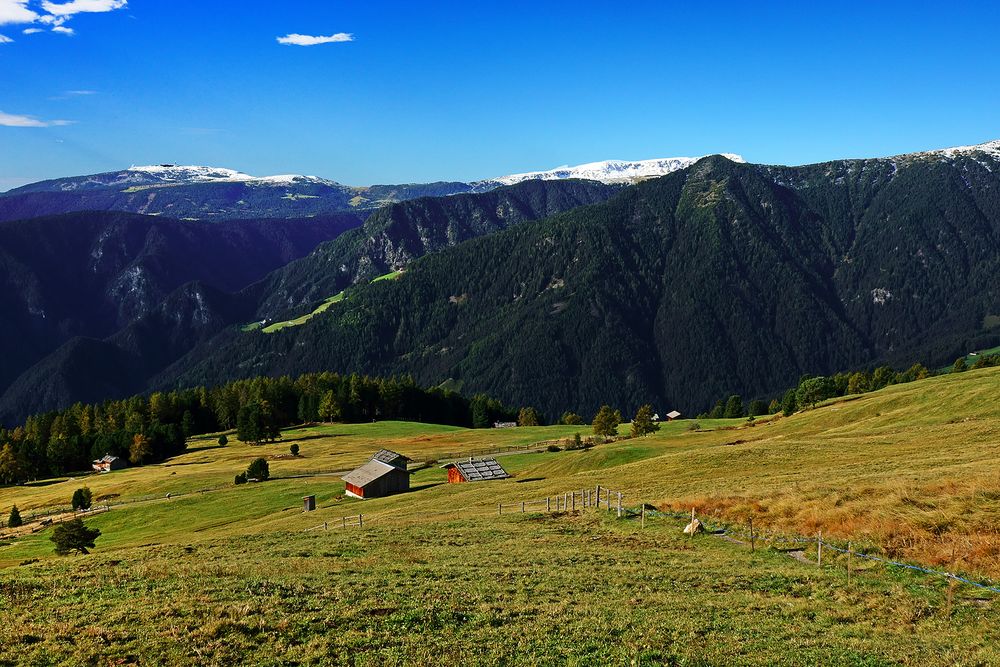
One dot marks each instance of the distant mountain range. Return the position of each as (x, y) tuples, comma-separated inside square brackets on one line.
[(215, 193), (719, 277)]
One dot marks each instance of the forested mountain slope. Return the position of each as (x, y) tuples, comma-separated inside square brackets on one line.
[(721, 278), (395, 235), (162, 334), (89, 274)]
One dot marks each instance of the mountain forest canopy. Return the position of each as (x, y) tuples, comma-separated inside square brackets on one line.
[(722, 279)]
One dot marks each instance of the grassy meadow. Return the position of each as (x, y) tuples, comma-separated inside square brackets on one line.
[(233, 574)]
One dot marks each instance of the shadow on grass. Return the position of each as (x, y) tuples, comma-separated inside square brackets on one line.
[(530, 479), (190, 450)]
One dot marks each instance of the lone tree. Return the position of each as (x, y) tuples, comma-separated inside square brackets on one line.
[(14, 520), (82, 498), (643, 423), (960, 366), (606, 421), (74, 536), (789, 403), (294, 449), (258, 470), (528, 417)]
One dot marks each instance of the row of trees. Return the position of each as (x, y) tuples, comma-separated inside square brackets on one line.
[(813, 389), (147, 429)]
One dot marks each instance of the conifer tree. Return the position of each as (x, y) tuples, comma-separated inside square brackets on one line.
[(642, 423)]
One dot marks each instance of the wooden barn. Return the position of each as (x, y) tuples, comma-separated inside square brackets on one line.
[(107, 463), (482, 470), (672, 415), (384, 475)]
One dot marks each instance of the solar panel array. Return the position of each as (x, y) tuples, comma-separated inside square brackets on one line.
[(481, 470)]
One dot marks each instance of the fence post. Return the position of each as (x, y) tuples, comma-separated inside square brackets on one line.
[(642, 516), (522, 507), (573, 502), (753, 547), (548, 504), (343, 522), (325, 526), (598, 492), (819, 549), (361, 522), (619, 504), (499, 509), (850, 554)]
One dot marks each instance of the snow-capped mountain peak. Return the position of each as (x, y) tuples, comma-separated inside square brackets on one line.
[(990, 147), (607, 171), (172, 173)]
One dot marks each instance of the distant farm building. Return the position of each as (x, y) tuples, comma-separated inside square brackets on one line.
[(482, 470), (107, 463), (384, 475), (672, 415), (504, 424)]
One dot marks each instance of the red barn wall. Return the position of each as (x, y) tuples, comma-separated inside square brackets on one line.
[(455, 477)]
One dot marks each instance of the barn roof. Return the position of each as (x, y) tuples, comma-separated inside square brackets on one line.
[(368, 473), (673, 414), (390, 457), (107, 458), (479, 471)]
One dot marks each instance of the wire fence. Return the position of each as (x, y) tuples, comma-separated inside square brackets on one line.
[(823, 543)]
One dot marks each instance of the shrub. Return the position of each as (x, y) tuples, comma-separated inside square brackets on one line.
[(571, 419), (695, 426), (529, 417), (74, 536), (258, 470), (960, 366), (294, 449), (82, 499), (240, 479), (553, 448), (14, 520), (223, 440)]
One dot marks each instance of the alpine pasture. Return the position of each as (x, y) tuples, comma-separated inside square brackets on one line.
[(240, 573)]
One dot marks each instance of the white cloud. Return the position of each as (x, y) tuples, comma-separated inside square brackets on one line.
[(4, 39), (79, 93), (296, 39), (55, 14), (82, 6), (16, 11), (16, 120)]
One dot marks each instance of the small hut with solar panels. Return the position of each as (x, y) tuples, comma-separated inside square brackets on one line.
[(474, 470)]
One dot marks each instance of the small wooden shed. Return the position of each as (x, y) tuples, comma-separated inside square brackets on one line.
[(308, 503), (672, 415), (482, 470), (384, 475)]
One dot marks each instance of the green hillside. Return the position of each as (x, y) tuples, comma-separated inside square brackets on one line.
[(906, 472)]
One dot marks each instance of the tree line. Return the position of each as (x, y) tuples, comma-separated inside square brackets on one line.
[(149, 429)]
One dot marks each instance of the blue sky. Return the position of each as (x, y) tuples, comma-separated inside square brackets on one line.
[(464, 90)]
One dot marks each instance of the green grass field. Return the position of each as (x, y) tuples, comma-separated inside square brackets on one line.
[(436, 575)]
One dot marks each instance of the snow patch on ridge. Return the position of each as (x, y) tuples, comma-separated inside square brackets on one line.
[(171, 173), (608, 171)]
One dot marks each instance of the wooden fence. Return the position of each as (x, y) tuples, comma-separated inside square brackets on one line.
[(357, 521), (567, 502)]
